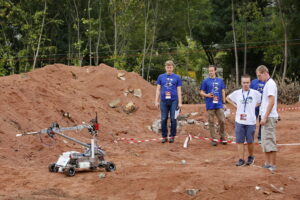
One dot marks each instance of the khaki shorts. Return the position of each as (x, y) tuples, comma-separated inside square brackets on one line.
[(268, 135)]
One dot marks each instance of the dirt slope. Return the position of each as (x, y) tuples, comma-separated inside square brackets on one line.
[(148, 170)]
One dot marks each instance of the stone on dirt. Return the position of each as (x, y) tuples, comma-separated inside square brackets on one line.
[(137, 93), (129, 108), (102, 175), (276, 190), (121, 76), (194, 113), (156, 126), (114, 103), (227, 187), (192, 192), (183, 117), (190, 121)]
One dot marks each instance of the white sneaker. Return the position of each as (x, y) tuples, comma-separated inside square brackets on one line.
[(272, 168)]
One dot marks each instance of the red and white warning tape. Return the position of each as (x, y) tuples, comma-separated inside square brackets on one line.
[(188, 139), (288, 109), (291, 144), (135, 140)]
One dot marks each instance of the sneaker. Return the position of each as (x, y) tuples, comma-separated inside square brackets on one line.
[(240, 163), (223, 141), (172, 139), (164, 140), (214, 143), (250, 160), (266, 166), (259, 141), (272, 168)]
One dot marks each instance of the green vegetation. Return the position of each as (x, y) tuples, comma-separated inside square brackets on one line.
[(140, 35)]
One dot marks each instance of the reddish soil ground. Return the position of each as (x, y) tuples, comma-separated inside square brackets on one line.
[(147, 170)]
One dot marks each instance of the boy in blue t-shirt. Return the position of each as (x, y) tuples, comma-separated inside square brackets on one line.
[(213, 89), (259, 86), (168, 90)]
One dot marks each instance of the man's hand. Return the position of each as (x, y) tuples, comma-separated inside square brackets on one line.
[(225, 107), (263, 121), (210, 95), (180, 105), (156, 105)]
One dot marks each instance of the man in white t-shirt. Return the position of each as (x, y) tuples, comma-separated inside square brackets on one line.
[(245, 100), (269, 116)]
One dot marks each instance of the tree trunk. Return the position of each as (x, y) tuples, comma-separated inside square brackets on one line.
[(36, 54), (99, 35), (69, 43), (145, 36), (285, 42), (209, 56), (78, 35), (245, 50), (235, 48), (273, 73), (90, 28), (153, 39), (116, 34), (188, 18)]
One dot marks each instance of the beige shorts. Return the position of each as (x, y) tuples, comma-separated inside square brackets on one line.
[(268, 135)]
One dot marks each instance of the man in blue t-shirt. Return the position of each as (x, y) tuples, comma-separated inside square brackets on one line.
[(213, 89), (259, 86), (168, 90)]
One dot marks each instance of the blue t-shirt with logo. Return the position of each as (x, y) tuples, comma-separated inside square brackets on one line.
[(169, 84), (215, 86), (257, 85)]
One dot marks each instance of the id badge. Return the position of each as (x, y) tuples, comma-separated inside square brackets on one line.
[(215, 99), (243, 117), (168, 95)]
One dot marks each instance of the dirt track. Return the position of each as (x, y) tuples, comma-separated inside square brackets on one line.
[(149, 170)]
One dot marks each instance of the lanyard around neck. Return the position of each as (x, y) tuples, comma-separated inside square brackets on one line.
[(245, 100)]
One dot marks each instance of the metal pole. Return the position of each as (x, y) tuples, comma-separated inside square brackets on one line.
[(93, 147), (73, 139)]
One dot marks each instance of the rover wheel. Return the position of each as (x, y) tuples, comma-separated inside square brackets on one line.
[(70, 171), (56, 169), (110, 166), (52, 167), (101, 165)]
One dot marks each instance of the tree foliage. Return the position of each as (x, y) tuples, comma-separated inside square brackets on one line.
[(140, 35)]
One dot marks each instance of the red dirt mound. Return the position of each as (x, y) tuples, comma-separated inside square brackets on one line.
[(32, 101), (146, 170)]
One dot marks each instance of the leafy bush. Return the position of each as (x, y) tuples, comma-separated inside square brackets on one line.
[(288, 91), (190, 91)]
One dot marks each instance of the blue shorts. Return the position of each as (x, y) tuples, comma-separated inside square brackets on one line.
[(244, 132)]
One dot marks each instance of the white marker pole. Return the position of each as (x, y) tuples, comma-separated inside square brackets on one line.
[(93, 148), (186, 142)]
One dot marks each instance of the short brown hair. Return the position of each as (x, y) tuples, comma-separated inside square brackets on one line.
[(170, 62), (212, 66), (262, 69), (246, 76)]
